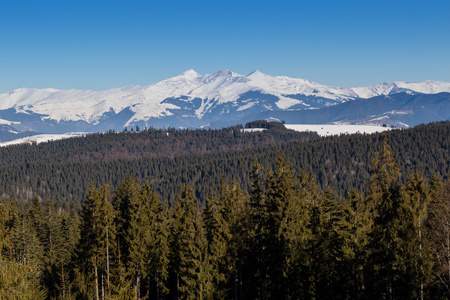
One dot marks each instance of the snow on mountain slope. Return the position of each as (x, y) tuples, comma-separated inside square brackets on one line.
[(42, 138), (221, 89), (68, 105)]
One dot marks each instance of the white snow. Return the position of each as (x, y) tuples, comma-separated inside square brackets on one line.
[(252, 129), (41, 138), (247, 105), (6, 122), (328, 129), (223, 86)]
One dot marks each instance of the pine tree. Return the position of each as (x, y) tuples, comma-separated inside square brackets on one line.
[(415, 261), (153, 226), (385, 198), (257, 263), (307, 275), (55, 252), (19, 281), (21, 264), (70, 229), (7, 216), (219, 236), (127, 201), (286, 222), (190, 262), (354, 228), (327, 244), (96, 245), (439, 233)]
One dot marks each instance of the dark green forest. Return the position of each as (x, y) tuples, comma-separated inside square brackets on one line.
[(62, 170), (202, 214)]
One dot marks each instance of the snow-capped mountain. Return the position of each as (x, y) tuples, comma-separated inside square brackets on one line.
[(187, 100)]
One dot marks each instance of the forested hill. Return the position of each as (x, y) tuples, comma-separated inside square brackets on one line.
[(62, 170), (150, 142)]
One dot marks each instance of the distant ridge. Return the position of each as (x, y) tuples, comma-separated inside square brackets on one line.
[(188, 100)]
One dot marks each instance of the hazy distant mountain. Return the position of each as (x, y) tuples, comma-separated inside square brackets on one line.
[(192, 100), (399, 110)]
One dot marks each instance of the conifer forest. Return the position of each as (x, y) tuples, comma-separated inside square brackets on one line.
[(227, 214)]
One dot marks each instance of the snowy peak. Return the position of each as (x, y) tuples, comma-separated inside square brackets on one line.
[(425, 87), (195, 96), (189, 74), (255, 73), (224, 73)]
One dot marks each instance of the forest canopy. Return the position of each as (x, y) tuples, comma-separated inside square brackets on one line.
[(62, 170), (284, 237)]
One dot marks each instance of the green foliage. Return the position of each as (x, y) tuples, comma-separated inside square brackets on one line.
[(190, 262), (272, 231), (18, 281), (96, 243)]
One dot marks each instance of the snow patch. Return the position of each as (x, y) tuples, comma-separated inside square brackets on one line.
[(41, 138), (328, 130), (252, 129)]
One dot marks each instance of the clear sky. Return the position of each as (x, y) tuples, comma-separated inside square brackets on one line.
[(102, 44)]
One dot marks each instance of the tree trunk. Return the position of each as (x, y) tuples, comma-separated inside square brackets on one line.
[(107, 263), (103, 288), (96, 280)]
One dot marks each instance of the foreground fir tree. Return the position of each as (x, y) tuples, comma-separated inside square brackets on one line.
[(288, 232), (151, 247), (385, 199), (354, 228), (257, 281), (219, 236), (191, 268), (142, 232), (20, 256), (96, 245), (415, 262), (439, 234)]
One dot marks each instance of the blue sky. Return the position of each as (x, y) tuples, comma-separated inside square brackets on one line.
[(102, 44)]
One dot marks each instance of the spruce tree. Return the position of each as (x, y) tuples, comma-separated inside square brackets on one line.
[(217, 216), (257, 262), (285, 223), (354, 228), (127, 202), (152, 243), (439, 234), (385, 198), (415, 262), (190, 261), (95, 248)]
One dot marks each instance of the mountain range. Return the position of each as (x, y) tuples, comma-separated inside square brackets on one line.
[(224, 98)]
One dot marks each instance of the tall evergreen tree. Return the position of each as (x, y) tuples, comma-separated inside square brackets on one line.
[(385, 198), (55, 252), (257, 262), (127, 202), (21, 266), (7, 217), (439, 234), (152, 244), (96, 245), (287, 220), (415, 262), (190, 262), (218, 233), (70, 229), (354, 228)]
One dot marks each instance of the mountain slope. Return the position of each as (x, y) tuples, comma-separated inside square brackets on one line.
[(399, 110), (187, 100)]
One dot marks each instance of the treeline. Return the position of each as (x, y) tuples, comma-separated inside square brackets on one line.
[(341, 163), (285, 238), (149, 142)]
